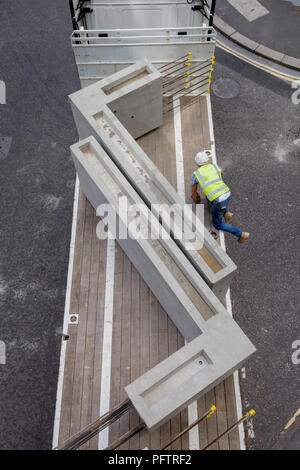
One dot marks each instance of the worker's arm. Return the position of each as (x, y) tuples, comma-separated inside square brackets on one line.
[(195, 195), (194, 185)]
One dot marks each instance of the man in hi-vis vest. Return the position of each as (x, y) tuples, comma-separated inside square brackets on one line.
[(210, 179)]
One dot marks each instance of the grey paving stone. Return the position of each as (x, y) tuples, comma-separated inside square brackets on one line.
[(269, 53), (246, 42), (291, 62)]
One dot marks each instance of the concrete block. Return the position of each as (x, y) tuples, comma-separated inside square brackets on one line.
[(210, 261), (244, 41), (127, 93), (269, 53), (291, 62), (190, 372), (217, 345)]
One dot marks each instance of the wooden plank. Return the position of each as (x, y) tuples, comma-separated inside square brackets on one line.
[(66, 406), (154, 356), (234, 439), (135, 346), (82, 323), (221, 415), (145, 345), (125, 344), (90, 337), (115, 393), (163, 346), (172, 346), (212, 427), (97, 368), (184, 413)]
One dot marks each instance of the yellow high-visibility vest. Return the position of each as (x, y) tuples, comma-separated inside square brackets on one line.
[(210, 180)]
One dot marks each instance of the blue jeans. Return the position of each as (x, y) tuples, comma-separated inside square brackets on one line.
[(218, 210)]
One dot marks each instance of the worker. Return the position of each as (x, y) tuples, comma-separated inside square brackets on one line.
[(210, 179)]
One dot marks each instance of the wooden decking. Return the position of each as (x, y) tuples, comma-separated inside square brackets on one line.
[(142, 333)]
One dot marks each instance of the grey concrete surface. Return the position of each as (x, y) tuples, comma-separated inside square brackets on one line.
[(258, 146), (217, 346), (277, 30), (37, 184)]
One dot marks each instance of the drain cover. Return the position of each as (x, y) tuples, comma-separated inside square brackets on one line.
[(226, 88)]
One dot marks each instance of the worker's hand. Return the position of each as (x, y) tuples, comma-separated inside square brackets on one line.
[(196, 198)]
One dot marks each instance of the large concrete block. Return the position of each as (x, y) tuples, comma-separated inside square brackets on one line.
[(127, 94), (217, 345), (96, 119)]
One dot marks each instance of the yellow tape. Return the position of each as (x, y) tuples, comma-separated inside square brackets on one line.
[(213, 409)]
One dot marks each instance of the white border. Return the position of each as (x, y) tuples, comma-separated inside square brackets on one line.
[(107, 339), (66, 320)]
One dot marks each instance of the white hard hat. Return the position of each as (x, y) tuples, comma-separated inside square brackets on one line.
[(201, 158)]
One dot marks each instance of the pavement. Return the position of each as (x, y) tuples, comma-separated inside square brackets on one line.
[(271, 28), (257, 134), (36, 185)]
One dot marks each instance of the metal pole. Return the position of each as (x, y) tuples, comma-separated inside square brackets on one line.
[(205, 415), (73, 15), (244, 418), (92, 429), (128, 435), (211, 14)]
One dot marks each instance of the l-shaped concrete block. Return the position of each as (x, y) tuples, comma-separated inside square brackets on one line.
[(217, 345), (93, 117)]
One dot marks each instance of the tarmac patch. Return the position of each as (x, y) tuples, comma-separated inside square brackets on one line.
[(5, 143)]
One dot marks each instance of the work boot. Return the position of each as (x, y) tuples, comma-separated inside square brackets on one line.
[(243, 237), (228, 216)]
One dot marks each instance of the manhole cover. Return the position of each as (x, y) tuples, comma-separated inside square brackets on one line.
[(226, 88)]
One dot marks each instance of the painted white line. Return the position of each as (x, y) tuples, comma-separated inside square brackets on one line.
[(2, 353), (2, 92), (192, 409), (228, 297), (107, 339), (66, 319), (178, 148), (250, 9)]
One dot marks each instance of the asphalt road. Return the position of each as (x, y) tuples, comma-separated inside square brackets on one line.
[(257, 137), (258, 145), (278, 30), (36, 191)]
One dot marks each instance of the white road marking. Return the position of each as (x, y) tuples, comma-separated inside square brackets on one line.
[(66, 319), (228, 297), (2, 92), (2, 353), (192, 409), (107, 339), (250, 9)]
